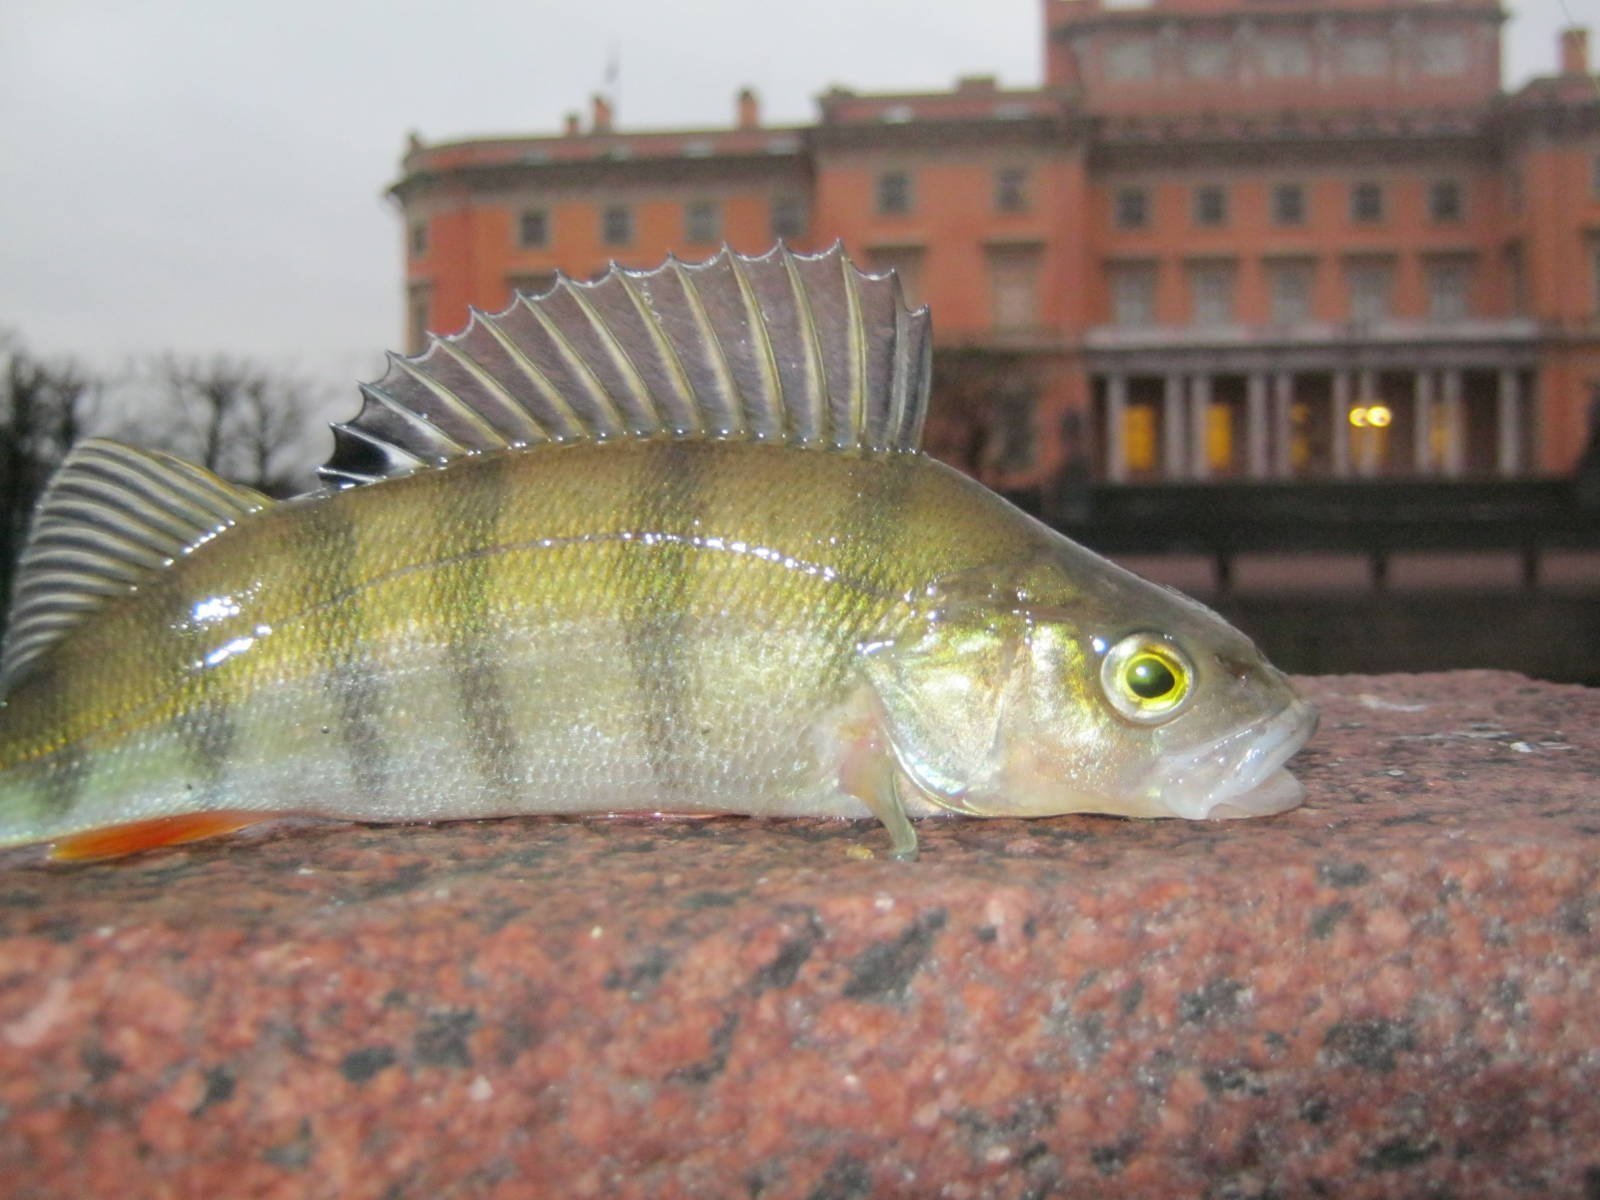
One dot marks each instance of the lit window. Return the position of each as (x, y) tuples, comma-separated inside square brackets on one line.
[(1289, 286), (1139, 438), (616, 225), (1449, 287), (894, 193), (1444, 201), (1370, 284), (700, 222), (1132, 208), (1219, 437), (533, 229), (1011, 190), (1133, 294), (788, 217), (1211, 293), (1288, 204), (1210, 206), (419, 238), (1366, 203)]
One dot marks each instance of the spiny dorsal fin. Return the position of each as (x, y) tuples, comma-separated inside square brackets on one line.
[(112, 517), (804, 349)]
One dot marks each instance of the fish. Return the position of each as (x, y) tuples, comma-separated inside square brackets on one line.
[(659, 543)]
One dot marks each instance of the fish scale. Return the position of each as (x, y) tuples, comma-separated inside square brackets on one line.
[(764, 621)]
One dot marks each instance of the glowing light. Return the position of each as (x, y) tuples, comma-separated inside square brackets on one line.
[(1371, 416)]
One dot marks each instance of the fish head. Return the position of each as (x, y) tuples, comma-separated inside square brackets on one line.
[(1082, 688)]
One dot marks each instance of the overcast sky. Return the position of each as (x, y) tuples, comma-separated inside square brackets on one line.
[(204, 177)]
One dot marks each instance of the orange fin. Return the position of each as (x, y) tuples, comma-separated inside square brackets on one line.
[(114, 841)]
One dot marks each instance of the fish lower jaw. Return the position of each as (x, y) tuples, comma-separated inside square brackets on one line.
[(1278, 792)]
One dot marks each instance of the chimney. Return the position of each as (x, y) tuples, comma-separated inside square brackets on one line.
[(1575, 51), (749, 109), (602, 115), (572, 125)]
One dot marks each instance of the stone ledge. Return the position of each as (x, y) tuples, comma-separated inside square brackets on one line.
[(1387, 992)]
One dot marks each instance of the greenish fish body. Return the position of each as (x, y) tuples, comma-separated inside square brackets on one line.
[(647, 618)]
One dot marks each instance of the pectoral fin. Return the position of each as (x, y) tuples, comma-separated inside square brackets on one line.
[(870, 775), (115, 841)]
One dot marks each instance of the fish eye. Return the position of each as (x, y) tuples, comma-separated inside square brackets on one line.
[(1146, 678)]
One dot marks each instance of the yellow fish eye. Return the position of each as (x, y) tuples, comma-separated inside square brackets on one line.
[(1146, 678)]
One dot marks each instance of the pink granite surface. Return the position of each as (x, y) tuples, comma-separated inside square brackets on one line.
[(1390, 992)]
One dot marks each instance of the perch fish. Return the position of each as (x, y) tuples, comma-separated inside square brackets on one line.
[(659, 543)]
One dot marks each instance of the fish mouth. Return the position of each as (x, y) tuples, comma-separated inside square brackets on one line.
[(1242, 774)]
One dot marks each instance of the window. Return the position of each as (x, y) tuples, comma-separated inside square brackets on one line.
[(616, 225), (1370, 282), (1366, 203), (1011, 190), (1594, 276), (894, 193), (1131, 61), (1364, 57), (1133, 294), (1288, 204), (1289, 291), (1210, 206), (1444, 202), (1219, 437), (906, 263), (417, 298), (1285, 57), (700, 222), (533, 228), (418, 235), (1443, 54), (1132, 208), (1139, 426), (1518, 280), (1014, 281), (533, 283), (788, 217), (1207, 59), (1211, 293), (1449, 290)]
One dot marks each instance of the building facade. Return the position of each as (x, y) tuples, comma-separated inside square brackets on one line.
[(1226, 239)]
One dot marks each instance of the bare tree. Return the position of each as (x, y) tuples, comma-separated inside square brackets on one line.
[(236, 417), (44, 407)]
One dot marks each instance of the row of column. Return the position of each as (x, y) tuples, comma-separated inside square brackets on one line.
[(1436, 403)]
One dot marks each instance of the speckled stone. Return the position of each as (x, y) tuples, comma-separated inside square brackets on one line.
[(1389, 992)]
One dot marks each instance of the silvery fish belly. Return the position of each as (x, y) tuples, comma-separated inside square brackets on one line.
[(659, 543)]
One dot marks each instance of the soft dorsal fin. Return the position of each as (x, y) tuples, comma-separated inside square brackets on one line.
[(804, 349), (112, 517)]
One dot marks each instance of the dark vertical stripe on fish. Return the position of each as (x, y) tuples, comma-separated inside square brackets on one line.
[(61, 775), (668, 497), (329, 539), (873, 526), (463, 593)]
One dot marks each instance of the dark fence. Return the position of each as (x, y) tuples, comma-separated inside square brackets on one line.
[(1547, 633), (1375, 519)]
